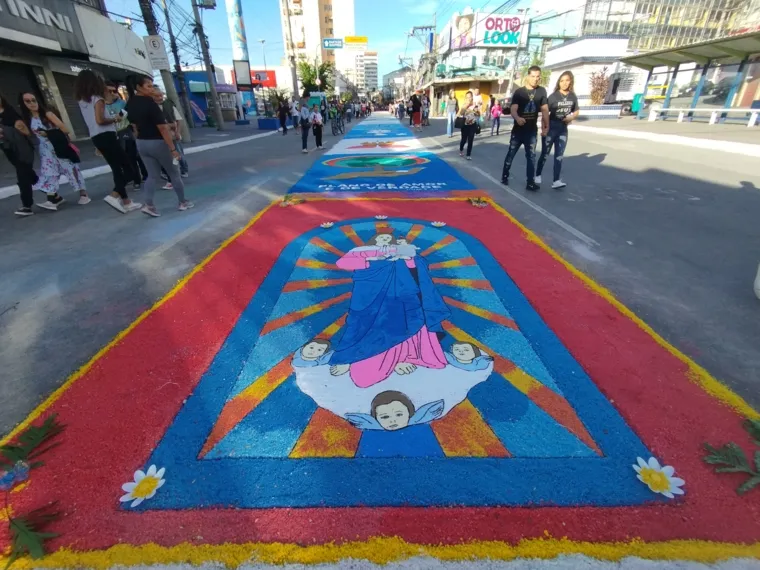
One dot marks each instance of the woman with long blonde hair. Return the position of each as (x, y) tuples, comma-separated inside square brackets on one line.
[(563, 110)]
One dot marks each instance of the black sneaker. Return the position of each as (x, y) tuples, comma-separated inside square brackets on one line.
[(23, 212), (505, 180), (533, 187)]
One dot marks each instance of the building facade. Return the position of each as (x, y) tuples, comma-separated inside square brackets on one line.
[(44, 44), (665, 24), (306, 23), (366, 71)]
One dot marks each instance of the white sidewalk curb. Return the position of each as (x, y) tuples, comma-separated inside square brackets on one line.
[(8, 191), (746, 149)]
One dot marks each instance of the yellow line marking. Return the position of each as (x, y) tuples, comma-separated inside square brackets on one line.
[(39, 410), (385, 550)]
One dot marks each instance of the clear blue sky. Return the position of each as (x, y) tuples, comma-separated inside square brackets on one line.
[(385, 23)]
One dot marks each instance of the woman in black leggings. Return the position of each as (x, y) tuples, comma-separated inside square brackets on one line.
[(90, 90), (470, 112)]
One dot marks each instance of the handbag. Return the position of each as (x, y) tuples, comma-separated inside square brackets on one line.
[(459, 122), (477, 128)]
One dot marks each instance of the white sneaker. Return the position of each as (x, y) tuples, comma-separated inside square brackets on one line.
[(48, 205), (84, 200), (537, 179), (132, 206), (150, 211), (185, 175), (167, 186), (186, 205), (558, 184), (305, 151), (469, 158), (115, 203)]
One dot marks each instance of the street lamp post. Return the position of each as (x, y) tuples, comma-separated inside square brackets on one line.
[(264, 53)]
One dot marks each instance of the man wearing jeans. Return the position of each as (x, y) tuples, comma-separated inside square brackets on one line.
[(527, 102)]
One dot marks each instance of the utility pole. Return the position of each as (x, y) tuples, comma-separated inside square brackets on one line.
[(291, 51), (184, 101), (171, 92), (213, 103)]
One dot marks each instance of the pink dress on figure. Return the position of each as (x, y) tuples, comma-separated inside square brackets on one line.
[(421, 349)]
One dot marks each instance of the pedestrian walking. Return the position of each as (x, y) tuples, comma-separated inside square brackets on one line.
[(89, 89), (126, 136), (470, 114), (155, 142), (489, 108), (57, 156), (410, 111), (295, 115), (19, 145), (417, 112), (283, 112), (563, 110), (496, 117), (317, 122), (173, 119), (452, 106), (305, 125), (527, 103)]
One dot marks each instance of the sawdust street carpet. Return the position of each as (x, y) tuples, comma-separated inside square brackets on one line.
[(383, 370)]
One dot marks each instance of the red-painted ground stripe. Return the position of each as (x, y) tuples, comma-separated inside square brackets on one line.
[(464, 433), (319, 242), (488, 315), (414, 232), (440, 244), (291, 318), (313, 284), (314, 264), (327, 435), (463, 262), (464, 283), (351, 234)]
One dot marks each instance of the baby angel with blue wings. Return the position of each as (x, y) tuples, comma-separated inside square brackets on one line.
[(316, 352), (467, 356), (392, 410)]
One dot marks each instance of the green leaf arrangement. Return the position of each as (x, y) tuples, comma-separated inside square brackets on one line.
[(17, 459), (730, 458)]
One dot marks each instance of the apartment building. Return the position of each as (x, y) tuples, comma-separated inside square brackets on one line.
[(305, 23)]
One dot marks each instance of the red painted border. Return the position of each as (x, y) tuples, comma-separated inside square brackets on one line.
[(119, 410)]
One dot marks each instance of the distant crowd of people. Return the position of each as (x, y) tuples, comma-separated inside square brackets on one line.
[(304, 118), (139, 138), (557, 111)]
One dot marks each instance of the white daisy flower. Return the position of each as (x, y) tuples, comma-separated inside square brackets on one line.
[(144, 486), (658, 478), (381, 217), (438, 224), (326, 224)]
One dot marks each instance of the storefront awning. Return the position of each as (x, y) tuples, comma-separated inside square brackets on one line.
[(731, 47)]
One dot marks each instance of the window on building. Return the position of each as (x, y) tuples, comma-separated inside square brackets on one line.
[(330, 31)]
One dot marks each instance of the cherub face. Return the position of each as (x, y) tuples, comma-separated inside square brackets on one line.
[(313, 350), (393, 416), (384, 239), (463, 352), (401, 241)]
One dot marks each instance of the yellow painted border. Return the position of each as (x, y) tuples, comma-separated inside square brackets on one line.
[(384, 550)]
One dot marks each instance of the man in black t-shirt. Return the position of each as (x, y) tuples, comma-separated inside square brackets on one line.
[(527, 103)]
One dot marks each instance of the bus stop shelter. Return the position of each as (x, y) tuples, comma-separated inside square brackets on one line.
[(721, 75)]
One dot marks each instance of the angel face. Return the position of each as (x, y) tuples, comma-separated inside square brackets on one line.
[(463, 352), (401, 241), (393, 415), (313, 350)]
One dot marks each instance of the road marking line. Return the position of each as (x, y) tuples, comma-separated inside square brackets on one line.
[(8, 191), (548, 215)]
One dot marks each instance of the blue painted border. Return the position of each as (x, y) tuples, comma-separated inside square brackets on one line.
[(338, 482)]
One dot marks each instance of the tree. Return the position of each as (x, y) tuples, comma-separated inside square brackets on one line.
[(600, 84), (309, 73), (277, 96), (536, 60)]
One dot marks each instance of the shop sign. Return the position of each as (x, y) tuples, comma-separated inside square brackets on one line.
[(49, 19)]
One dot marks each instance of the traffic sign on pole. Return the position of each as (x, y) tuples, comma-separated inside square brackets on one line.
[(332, 43)]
